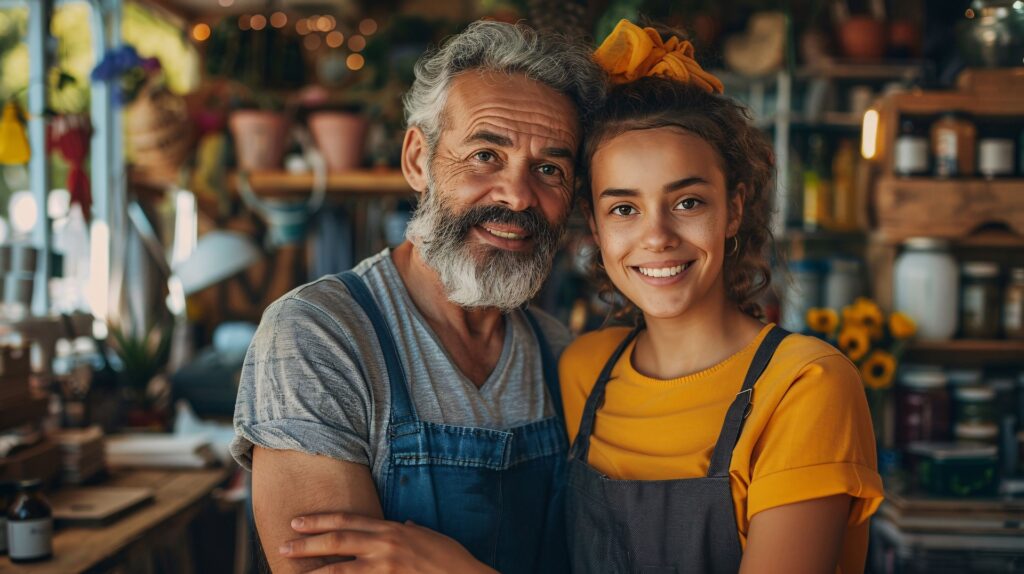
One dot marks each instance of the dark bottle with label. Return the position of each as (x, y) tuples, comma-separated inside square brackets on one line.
[(7, 490), (29, 524), (911, 156)]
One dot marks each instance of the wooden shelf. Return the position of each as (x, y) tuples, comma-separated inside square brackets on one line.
[(361, 182), (968, 352), (849, 70), (949, 208)]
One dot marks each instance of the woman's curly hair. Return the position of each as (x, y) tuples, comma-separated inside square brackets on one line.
[(746, 158)]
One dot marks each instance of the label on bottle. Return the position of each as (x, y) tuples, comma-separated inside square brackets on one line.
[(945, 153), (29, 539), (3, 534), (1013, 310), (974, 308)]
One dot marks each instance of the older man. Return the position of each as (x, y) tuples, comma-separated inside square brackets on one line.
[(417, 387)]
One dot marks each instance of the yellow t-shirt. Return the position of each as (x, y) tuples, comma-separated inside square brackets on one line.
[(808, 434)]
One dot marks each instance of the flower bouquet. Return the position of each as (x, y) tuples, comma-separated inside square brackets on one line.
[(874, 343)]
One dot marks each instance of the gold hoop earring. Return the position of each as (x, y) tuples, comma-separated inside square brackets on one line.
[(735, 246)]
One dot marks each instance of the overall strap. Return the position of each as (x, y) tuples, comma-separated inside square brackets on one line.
[(402, 409), (581, 446), (548, 363), (740, 407)]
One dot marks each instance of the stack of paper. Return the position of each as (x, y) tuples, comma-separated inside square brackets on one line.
[(81, 453), (159, 451)]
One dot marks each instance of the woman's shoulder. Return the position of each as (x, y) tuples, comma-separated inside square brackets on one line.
[(808, 358), (586, 356)]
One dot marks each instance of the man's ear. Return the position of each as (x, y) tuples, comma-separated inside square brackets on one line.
[(736, 210), (414, 159)]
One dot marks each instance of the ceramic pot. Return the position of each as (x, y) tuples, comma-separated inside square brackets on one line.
[(862, 38), (340, 137), (260, 138)]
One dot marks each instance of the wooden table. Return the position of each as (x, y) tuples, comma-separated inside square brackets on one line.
[(129, 543)]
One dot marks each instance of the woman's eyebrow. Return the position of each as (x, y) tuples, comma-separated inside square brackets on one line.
[(668, 187)]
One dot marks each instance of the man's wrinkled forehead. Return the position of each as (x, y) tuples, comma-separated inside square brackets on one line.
[(525, 111)]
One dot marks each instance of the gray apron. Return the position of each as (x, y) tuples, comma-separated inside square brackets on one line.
[(658, 526)]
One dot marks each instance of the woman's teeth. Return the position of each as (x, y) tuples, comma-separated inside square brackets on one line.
[(663, 271)]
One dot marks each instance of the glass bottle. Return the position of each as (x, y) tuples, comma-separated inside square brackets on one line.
[(29, 524), (1013, 305), (844, 187), (926, 284), (954, 138), (816, 186), (910, 157), (980, 303)]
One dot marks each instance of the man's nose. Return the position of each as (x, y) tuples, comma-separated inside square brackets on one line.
[(515, 189)]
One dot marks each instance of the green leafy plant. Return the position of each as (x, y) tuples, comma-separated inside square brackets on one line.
[(142, 357)]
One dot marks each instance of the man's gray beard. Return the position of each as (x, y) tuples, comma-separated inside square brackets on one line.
[(475, 276)]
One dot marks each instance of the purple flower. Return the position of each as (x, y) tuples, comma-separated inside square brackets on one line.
[(150, 65)]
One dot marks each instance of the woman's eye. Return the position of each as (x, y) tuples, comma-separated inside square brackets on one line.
[(689, 203), (623, 210), (484, 156)]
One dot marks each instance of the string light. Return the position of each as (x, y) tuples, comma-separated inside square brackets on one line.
[(258, 22), (355, 62), (335, 39), (302, 27), (226, 3), (312, 42), (356, 43), (279, 19), (201, 32), (368, 27), (326, 23)]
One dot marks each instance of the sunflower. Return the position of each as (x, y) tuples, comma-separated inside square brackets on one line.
[(870, 316), (902, 326), (854, 341), (878, 369), (822, 320)]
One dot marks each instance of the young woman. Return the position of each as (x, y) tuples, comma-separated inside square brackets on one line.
[(703, 439)]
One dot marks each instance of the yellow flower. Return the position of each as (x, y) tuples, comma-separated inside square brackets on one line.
[(822, 320), (870, 316), (854, 341), (878, 370), (902, 326)]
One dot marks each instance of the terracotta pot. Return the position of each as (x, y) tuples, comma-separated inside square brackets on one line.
[(904, 39), (260, 138), (863, 38), (340, 137)]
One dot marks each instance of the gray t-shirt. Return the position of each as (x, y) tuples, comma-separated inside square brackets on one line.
[(314, 378)]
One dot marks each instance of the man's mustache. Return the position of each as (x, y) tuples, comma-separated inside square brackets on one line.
[(529, 220)]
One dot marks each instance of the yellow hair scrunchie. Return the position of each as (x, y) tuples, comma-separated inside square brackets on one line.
[(631, 52)]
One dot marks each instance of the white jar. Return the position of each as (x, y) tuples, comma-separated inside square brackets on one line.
[(926, 286)]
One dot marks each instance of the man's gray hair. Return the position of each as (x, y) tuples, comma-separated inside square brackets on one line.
[(560, 63)]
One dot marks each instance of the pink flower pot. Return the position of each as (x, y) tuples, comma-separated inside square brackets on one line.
[(260, 139), (340, 137), (863, 38)]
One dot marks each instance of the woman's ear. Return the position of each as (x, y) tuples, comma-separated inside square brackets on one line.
[(414, 159), (736, 210)]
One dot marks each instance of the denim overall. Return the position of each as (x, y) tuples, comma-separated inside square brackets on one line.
[(498, 493), (658, 526)]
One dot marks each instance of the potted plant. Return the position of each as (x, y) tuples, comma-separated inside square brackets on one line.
[(142, 358)]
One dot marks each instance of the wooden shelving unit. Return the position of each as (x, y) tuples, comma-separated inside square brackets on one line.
[(388, 182), (968, 352)]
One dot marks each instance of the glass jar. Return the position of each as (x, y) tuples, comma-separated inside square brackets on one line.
[(954, 138), (1006, 394), (29, 524), (975, 404), (1013, 305), (922, 407), (910, 156), (842, 283), (926, 285), (995, 157), (802, 293), (980, 300), (965, 377), (986, 433)]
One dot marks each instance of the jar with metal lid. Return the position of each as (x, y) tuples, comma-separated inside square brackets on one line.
[(922, 406), (926, 285), (979, 302), (954, 138), (29, 524), (987, 433), (955, 469), (975, 404), (995, 157), (964, 377), (910, 155), (1013, 305)]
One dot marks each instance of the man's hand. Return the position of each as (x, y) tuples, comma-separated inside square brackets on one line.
[(377, 546)]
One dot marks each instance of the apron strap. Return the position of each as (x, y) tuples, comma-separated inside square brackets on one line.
[(402, 408), (581, 446), (548, 363), (721, 458)]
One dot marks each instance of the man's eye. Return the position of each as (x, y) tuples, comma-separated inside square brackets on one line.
[(623, 210), (689, 203), (484, 156), (549, 169)]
